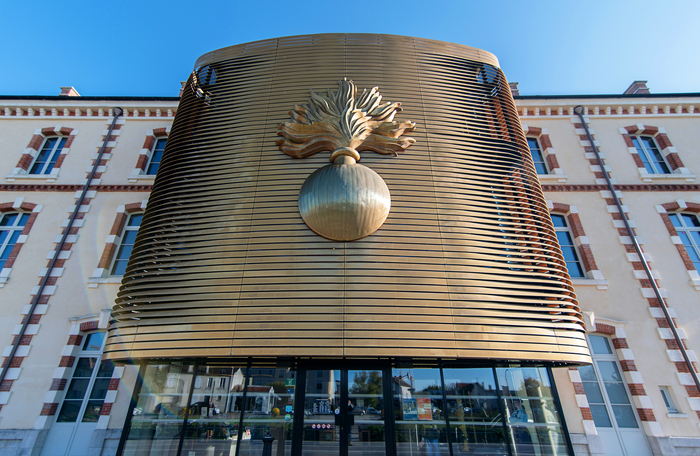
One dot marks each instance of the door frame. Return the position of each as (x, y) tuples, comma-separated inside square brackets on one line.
[(343, 366)]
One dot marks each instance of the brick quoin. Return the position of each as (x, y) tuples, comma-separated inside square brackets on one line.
[(637, 389), (628, 365), (106, 409), (646, 414), (49, 409), (16, 361), (620, 343), (586, 412), (6, 385), (58, 384), (605, 329), (75, 339), (113, 384), (88, 326), (66, 361)]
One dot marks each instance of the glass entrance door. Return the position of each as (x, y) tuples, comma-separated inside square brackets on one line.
[(344, 413)]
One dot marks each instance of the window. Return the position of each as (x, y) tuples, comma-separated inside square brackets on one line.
[(47, 156), (222, 382), (688, 228), (11, 226), (648, 151), (126, 245), (568, 248), (156, 156), (89, 383), (210, 382), (537, 156), (668, 400), (605, 388)]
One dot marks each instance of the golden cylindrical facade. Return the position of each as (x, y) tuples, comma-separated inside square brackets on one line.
[(466, 265)]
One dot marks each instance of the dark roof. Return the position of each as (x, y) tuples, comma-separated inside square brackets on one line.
[(608, 96), (81, 98)]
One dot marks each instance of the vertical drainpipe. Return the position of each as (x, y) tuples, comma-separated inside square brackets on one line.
[(578, 110), (15, 345)]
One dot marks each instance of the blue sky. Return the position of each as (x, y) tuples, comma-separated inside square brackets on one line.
[(144, 48)]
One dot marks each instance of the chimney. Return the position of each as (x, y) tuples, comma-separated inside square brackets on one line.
[(69, 92), (514, 88), (637, 87)]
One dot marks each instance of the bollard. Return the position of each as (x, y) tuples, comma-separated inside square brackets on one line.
[(267, 444)]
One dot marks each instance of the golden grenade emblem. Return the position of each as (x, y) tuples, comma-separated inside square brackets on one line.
[(344, 201)]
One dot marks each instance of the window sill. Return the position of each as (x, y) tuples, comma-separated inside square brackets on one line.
[(601, 284), (94, 282), (552, 177), (46, 177), (658, 177), (677, 415), (3, 281), (142, 177)]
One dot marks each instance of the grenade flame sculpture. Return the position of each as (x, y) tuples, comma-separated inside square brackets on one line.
[(344, 201)]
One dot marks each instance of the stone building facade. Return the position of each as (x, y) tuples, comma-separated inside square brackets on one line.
[(638, 397)]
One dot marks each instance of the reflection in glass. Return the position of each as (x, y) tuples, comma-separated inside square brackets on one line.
[(534, 425), (366, 412), (157, 419), (269, 407), (321, 431), (419, 412), (475, 421), (214, 411)]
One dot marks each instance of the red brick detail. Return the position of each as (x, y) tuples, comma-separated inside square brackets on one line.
[(552, 162), (620, 343), (692, 390), (66, 361), (16, 361), (106, 409), (32, 321), (141, 163), (107, 255), (578, 388), (628, 365), (75, 339), (638, 161), (605, 329), (88, 326), (49, 409), (646, 414), (113, 384), (637, 389), (663, 141), (674, 160), (586, 412), (58, 384), (132, 207), (38, 140), (118, 224), (6, 385), (25, 340), (160, 132)]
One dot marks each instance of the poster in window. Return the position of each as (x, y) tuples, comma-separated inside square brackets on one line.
[(424, 409), (410, 409)]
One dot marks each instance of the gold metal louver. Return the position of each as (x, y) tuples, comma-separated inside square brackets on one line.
[(466, 264)]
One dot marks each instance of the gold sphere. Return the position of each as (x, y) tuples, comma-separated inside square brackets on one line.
[(344, 201)]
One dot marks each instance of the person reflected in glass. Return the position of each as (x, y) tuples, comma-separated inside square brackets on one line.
[(523, 441), (431, 436), (459, 412)]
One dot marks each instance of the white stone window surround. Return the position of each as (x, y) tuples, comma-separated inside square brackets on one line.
[(681, 173), (556, 174), (22, 174), (139, 173)]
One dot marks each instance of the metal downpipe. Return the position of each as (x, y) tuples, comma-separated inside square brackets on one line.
[(15, 345), (578, 110)]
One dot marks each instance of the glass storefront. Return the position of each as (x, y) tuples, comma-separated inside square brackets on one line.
[(403, 408)]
